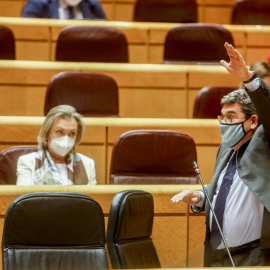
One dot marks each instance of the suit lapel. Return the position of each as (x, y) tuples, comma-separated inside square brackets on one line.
[(86, 11)]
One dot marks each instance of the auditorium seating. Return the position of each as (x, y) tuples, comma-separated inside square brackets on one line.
[(92, 44), (178, 11), (92, 94), (46, 231), (207, 102), (129, 231), (196, 44), (250, 12), (8, 162), (153, 157), (7, 43)]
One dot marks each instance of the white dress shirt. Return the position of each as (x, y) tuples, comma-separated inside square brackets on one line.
[(63, 11)]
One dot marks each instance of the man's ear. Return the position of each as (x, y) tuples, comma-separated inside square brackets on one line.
[(254, 121)]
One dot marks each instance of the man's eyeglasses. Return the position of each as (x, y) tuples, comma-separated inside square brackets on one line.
[(230, 119)]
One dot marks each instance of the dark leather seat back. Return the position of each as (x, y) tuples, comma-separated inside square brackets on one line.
[(196, 44), (8, 162), (250, 12), (92, 44), (178, 11), (91, 94), (54, 231), (207, 102), (129, 231), (7, 44), (153, 157)]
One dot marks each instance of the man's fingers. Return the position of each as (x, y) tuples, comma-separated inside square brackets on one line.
[(224, 63)]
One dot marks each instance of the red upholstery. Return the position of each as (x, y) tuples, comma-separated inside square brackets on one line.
[(91, 94), (8, 163), (207, 103), (251, 12), (178, 11), (7, 43), (92, 44), (153, 157), (197, 44)]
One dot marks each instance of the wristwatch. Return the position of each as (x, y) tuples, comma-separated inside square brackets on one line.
[(252, 78)]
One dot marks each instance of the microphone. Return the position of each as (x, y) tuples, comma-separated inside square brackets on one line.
[(195, 166)]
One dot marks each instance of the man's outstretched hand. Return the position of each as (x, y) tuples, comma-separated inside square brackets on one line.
[(237, 65)]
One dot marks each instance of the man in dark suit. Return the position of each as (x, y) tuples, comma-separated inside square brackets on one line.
[(63, 9), (243, 161)]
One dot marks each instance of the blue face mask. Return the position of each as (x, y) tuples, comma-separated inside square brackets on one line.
[(232, 134)]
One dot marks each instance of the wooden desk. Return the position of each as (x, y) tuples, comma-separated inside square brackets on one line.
[(148, 91), (178, 235), (101, 133), (36, 38)]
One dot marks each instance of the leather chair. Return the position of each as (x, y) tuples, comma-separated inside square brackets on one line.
[(92, 44), (8, 162), (207, 102), (250, 12), (63, 231), (153, 157), (129, 231), (196, 44), (7, 44), (91, 94), (171, 11)]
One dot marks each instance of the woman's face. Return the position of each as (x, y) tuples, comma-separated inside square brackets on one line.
[(62, 127)]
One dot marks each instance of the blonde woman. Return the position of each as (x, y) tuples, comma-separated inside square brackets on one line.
[(56, 163)]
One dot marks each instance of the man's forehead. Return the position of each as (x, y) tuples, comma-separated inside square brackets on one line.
[(232, 108)]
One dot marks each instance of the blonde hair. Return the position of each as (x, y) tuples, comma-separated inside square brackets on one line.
[(64, 112)]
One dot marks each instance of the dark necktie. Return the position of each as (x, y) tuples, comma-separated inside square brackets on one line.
[(70, 13), (215, 238)]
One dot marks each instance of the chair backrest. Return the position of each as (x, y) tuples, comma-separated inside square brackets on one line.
[(7, 44), (153, 157), (8, 162), (178, 11), (207, 102), (129, 231), (92, 44), (54, 231), (250, 12), (91, 94), (196, 44)]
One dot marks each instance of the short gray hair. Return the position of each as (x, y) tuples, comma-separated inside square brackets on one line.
[(240, 96), (64, 112)]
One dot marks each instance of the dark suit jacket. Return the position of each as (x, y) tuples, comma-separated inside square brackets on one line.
[(253, 163), (91, 9)]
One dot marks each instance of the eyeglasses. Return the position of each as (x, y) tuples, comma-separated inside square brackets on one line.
[(230, 119)]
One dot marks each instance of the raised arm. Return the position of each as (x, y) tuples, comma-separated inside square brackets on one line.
[(237, 66)]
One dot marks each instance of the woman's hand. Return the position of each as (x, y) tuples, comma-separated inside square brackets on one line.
[(187, 196), (237, 65)]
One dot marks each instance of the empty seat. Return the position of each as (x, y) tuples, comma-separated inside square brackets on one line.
[(8, 162), (129, 231), (91, 94), (250, 12), (92, 44), (197, 44), (63, 231), (153, 157), (7, 44), (207, 102), (178, 11)]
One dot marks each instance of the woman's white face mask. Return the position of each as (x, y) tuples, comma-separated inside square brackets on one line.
[(62, 145), (72, 3)]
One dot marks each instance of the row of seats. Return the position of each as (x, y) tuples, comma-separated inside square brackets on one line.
[(55, 235), (138, 157), (185, 44)]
